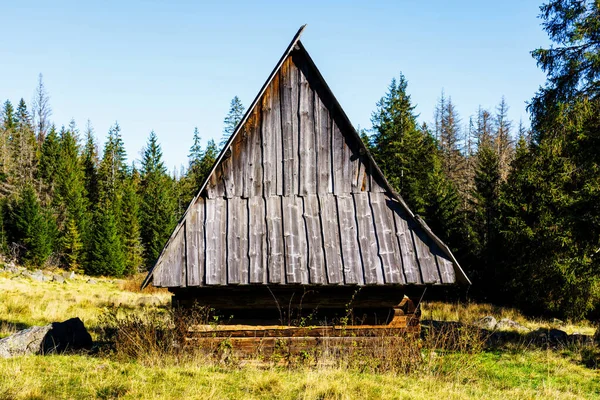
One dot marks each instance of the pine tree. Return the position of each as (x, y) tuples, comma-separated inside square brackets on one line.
[(106, 254), (131, 234), (48, 167), (404, 152), (484, 221), (72, 245), (31, 227), (41, 111), (157, 207), (70, 198), (90, 165), (113, 168), (233, 118), (6, 134), (503, 145), (448, 132), (23, 147)]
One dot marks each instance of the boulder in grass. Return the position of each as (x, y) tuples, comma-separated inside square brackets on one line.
[(506, 323), (57, 337), (488, 322), (58, 278)]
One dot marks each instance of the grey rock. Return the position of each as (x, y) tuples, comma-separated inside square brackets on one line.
[(68, 275), (58, 278), (28, 341), (148, 301), (506, 323), (57, 337), (92, 281), (487, 322)]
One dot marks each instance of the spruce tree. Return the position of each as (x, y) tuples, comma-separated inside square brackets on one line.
[(231, 121), (48, 167), (157, 204), (41, 111), (131, 230), (404, 152), (23, 147), (70, 198), (106, 253), (31, 227), (90, 165)]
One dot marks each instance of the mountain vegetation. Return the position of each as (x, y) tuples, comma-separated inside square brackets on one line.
[(519, 206)]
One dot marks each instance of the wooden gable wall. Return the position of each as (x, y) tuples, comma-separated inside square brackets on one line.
[(295, 200)]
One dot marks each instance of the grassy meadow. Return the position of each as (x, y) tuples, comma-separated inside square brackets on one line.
[(469, 372)]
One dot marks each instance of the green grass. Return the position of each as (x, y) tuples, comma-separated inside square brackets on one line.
[(529, 375), (519, 373)]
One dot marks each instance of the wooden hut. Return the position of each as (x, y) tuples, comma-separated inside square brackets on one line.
[(295, 214)]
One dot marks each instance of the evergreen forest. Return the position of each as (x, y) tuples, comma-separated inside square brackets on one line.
[(518, 202)]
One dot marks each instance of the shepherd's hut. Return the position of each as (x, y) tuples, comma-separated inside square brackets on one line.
[(295, 216)]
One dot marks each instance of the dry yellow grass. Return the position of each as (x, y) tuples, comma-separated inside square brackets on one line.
[(471, 312), (25, 302)]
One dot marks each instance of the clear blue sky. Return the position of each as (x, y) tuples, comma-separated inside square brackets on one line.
[(169, 66)]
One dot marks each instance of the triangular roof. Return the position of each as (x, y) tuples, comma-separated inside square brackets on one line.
[(427, 248)]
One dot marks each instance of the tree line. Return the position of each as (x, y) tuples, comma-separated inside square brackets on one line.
[(519, 207), (62, 203)]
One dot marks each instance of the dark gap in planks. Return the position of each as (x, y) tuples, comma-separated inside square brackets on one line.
[(369, 194)]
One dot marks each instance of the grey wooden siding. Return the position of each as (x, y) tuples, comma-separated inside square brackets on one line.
[(295, 200)]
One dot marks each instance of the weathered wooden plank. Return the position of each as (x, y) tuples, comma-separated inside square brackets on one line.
[(337, 149), (316, 257), (238, 159), (347, 162), (212, 190), (410, 266), (242, 228), (286, 127), (294, 235), (389, 251), (276, 136), (237, 243), (445, 268), (195, 244), (247, 158), (427, 263), (275, 248), (215, 241), (353, 266), (360, 184), (226, 176), (331, 239), (174, 264), (257, 242), (308, 154), (295, 95), (268, 145), (256, 160), (322, 146), (367, 240)]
